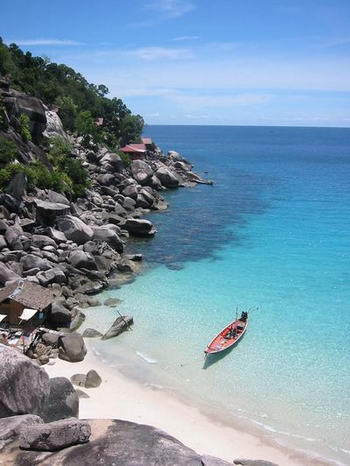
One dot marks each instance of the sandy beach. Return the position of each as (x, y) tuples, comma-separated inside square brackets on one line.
[(122, 398)]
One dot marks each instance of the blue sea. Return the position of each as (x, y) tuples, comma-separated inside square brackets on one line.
[(273, 232)]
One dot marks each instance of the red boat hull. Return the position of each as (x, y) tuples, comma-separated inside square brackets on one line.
[(228, 337)]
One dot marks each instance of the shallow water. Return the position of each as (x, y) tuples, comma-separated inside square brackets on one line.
[(272, 232)]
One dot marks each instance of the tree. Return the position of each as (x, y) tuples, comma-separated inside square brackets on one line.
[(131, 127), (67, 111)]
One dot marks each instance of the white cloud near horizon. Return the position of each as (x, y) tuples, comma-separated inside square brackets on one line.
[(171, 8), (181, 38), (157, 53), (34, 42)]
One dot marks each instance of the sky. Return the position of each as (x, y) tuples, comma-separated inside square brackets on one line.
[(207, 62)]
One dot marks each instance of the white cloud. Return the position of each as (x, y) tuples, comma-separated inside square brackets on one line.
[(159, 53), (172, 8), (181, 38), (219, 101), (45, 42)]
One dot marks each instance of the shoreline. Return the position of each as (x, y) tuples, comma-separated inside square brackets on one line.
[(134, 401)]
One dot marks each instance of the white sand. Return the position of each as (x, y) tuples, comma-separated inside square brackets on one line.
[(122, 398)]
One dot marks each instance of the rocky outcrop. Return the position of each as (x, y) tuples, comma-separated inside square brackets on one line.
[(24, 386), (10, 427), (55, 435), (120, 325)]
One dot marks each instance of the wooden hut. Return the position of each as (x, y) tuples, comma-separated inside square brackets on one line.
[(22, 300), (135, 151)]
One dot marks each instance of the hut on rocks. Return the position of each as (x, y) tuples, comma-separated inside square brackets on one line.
[(24, 301)]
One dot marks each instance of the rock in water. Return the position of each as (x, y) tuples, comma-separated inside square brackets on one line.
[(55, 435), (167, 178), (119, 326), (72, 347), (139, 227), (63, 401), (24, 386), (91, 333)]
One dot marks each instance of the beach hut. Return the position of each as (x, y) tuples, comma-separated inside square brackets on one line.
[(23, 300), (134, 151)]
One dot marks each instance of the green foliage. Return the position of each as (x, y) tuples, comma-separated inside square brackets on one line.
[(86, 127), (73, 94), (131, 127), (125, 158), (67, 111), (8, 151), (24, 127), (59, 148)]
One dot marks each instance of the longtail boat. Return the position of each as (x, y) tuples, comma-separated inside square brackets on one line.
[(229, 336)]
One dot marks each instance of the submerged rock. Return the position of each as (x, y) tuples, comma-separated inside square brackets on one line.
[(119, 326), (91, 333)]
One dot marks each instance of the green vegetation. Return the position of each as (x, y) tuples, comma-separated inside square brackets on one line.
[(125, 158), (8, 151), (74, 96), (24, 127), (79, 104)]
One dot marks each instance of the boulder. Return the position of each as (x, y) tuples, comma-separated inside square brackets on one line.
[(72, 347), (60, 315), (112, 159), (106, 180), (78, 379), (131, 191), (120, 325), (7, 275), (30, 261), (3, 243), (139, 227), (212, 461), (46, 212), (10, 203), (17, 186), (167, 178), (24, 386), (109, 236), (142, 172), (40, 241), (63, 401), (10, 427), (91, 333), (55, 435), (54, 125), (56, 235), (81, 259), (75, 229), (93, 380), (54, 275), (129, 203)]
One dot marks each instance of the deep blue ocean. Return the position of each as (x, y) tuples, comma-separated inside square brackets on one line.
[(273, 233)]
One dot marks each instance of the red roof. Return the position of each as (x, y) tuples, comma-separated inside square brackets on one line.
[(134, 148), (147, 141)]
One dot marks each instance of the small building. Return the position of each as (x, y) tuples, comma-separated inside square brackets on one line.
[(148, 143), (21, 301), (135, 151)]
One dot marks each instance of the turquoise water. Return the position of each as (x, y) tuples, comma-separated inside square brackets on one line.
[(272, 232)]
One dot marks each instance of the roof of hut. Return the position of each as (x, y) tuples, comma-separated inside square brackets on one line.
[(29, 294)]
